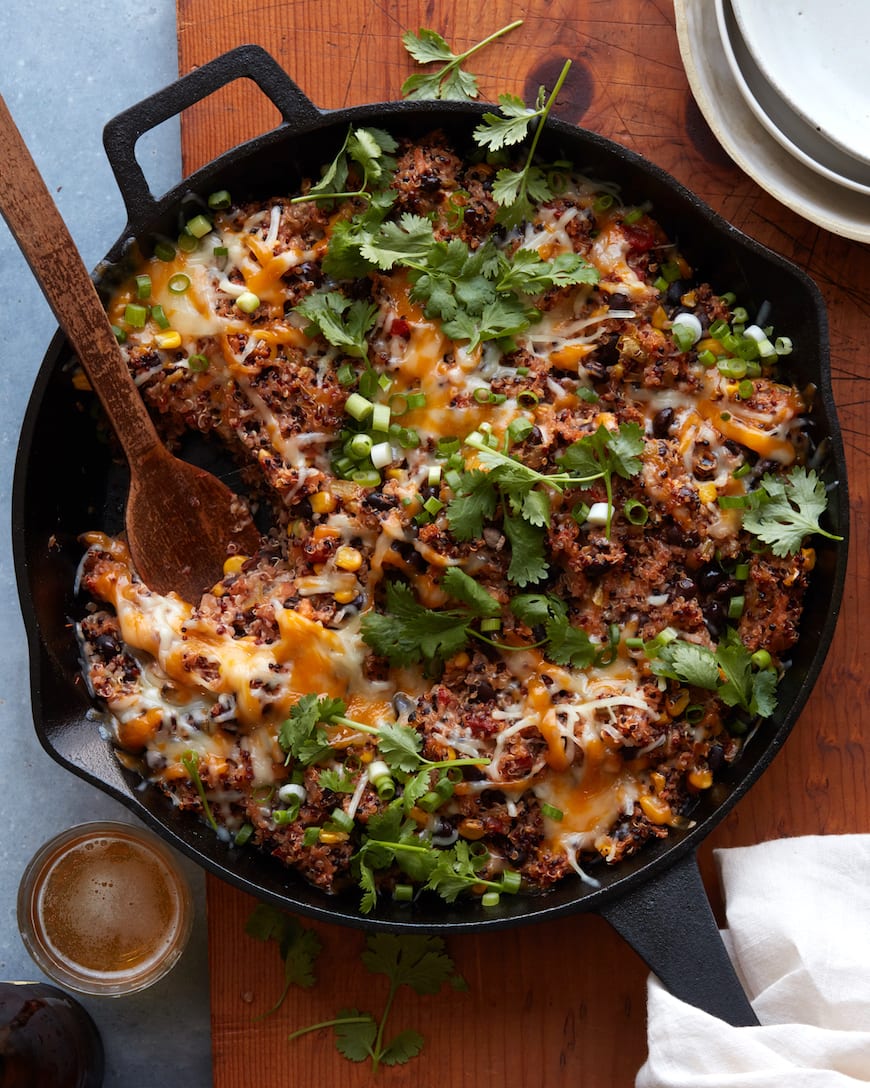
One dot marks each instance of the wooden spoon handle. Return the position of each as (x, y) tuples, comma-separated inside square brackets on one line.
[(41, 233)]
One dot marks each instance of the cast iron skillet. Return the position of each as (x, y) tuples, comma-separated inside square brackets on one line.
[(66, 482)]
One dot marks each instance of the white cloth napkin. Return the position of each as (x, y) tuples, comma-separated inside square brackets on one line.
[(798, 914)]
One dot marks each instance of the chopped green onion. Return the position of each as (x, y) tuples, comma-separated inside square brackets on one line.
[(178, 283), (683, 336), (782, 345), (283, 816), (741, 572), (381, 418), (519, 429), (490, 899), (745, 389), (143, 287), (187, 243), (247, 302), (661, 284), (706, 358), (416, 400), (135, 315), (482, 394), (382, 454), (385, 381), (719, 329), (671, 271), (164, 251), (243, 834), (199, 226), (365, 477), (434, 477), (221, 255), (523, 371), (729, 298), (360, 446), (527, 398), (160, 317), (398, 408), (408, 438), (636, 512), (511, 881), (368, 383), (581, 512), (632, 216), (634, 643), (341, 820), (197, 363), (453, 479), (551, 812), (739, 315), (358, 407), (735, 607), (446, 446), (761, 659), (694, 713), (403, 893), (492, 623), (733, 502), (433, 506), (120, 335), (742, 470), (732, 368), (311, 836), (603, 202), (219, 200)]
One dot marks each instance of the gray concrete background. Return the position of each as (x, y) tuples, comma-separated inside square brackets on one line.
[(66, 69)]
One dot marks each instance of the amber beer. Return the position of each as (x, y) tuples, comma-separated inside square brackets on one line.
[(104, 909)]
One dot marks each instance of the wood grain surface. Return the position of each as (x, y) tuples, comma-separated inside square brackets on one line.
[(557, 1003)]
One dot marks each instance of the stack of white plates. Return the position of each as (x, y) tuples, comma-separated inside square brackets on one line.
[(784, 85)]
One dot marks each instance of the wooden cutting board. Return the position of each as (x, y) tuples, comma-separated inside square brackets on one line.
[(559, 1003)]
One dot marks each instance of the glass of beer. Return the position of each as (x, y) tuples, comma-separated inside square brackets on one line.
[(103, 908)]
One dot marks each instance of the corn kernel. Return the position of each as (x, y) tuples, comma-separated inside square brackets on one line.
[(234, 564), (568, 357), (325, 532), (323, 502), (460, 660), (659, 319), (658, 780), (471, 829), (348, 558), (168, 340), (330, 838), (675, 704), (80, 382), (709, 344), (708, 492), (655, 809), (344, 596), (700, 780), (809, 558)]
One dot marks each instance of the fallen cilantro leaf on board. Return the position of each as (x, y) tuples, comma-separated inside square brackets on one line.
[(417, 961), (299, 947), (787, 509), (450, 81)]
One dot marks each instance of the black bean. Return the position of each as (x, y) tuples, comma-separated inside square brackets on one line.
[(485, 691), (662, 422), (710, 578), (377, 500), (107, 645), (715, 757), (715, 618)]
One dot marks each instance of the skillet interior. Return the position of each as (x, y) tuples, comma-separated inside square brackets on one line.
[(67, 482)]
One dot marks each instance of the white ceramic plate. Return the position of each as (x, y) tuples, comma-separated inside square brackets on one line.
[(748, 143), (786, 127), (815, 53)]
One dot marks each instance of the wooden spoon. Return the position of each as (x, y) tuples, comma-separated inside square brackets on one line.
[(181, 521)]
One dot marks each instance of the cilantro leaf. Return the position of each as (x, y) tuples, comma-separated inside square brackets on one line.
[(537, 608), (399, 242), (415, 960), (450, 81), (604, 453), (343, 259), (689, 663), (476, 501), (355, 1034), (789, 509), (459, 585), (370, 149), (528, 562), (408, 633), (342, 322), (400, 745), (569, 645), (299, 946), (402, 1047), (336, 780), (299, 734), (530, 274), (457, 870), (495, 132)]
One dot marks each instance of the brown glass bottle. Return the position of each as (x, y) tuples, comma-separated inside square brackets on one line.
[(47, 1040)]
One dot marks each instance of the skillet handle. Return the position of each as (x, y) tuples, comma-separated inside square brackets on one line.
[(122, 132), (669, 923)]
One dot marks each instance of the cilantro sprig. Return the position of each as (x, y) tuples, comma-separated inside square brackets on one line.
[(343, 323), (607, 453), (369, 151), (729, 671), (450, 81), (417, 961), (517, 190), (299, 947), (786, 509)]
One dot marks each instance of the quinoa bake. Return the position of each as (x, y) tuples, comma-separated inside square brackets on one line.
[(536, 511)]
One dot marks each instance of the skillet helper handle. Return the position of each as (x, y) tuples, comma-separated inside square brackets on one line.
[(121, 134), (669, 923), (42, 235)]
